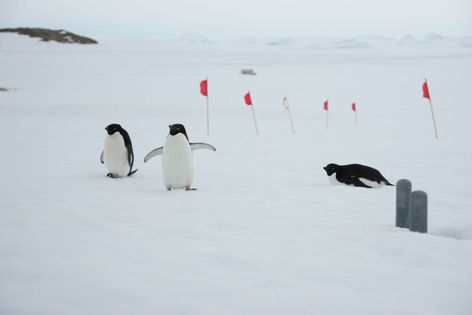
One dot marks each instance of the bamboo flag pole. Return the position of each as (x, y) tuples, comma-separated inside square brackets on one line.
[(208, 110), (327, 120), (428, 96), (204, 92), (354, 109), (248, 101), (287, 107), (291, 119), (325, 107), (255, 120)]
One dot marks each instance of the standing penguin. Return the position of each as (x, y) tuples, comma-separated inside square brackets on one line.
[(177, 158), (118, 153), (355, 174)]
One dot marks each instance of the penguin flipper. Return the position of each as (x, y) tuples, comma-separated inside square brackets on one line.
[(153, 153), (201, 145), (132, 172), (101, 158), (129, 148)]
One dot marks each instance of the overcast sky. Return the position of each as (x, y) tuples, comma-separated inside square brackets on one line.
[(243, 18)]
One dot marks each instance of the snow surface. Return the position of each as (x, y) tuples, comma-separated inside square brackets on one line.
[(265, 233)]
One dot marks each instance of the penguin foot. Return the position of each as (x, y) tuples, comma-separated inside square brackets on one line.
[(111, 175), (190, 189)]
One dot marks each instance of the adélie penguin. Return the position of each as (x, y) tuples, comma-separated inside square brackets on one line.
[(117, 154), (177, 158), (356, 175)]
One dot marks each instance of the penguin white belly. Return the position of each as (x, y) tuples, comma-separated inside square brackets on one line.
[(371, 183), (115, 155), (177, 162)]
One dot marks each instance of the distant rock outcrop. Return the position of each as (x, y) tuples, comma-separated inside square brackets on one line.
[(46, 35)]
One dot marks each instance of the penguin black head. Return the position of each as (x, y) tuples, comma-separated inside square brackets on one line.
[(176, 129), (331, 168), (112, 128)]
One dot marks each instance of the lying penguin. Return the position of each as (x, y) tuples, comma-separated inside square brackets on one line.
[(355, 174), (177, 158), (117, 154)]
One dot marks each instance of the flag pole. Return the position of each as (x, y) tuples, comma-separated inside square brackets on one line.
[(432, 112), (248, 101), (291, 119), (355, 111), (327, 119), (255, 121), (287, 107), (208, 118), (327, 115), (208, 113)]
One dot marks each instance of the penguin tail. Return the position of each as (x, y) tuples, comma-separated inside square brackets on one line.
[(389, 184), (132, 172)]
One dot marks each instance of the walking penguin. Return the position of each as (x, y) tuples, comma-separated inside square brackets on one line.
[(177, 158)]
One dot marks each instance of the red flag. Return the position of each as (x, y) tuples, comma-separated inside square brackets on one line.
[(353, 107), (426, 90), (204, 87), (325, 105), (247, 99)]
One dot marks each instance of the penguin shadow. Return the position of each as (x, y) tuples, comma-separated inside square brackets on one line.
[(162, 191)]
